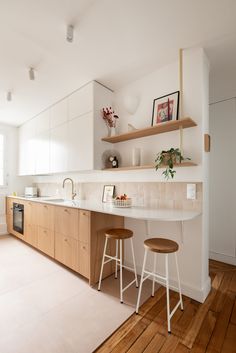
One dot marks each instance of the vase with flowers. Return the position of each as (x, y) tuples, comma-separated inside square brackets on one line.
[(110, 119)]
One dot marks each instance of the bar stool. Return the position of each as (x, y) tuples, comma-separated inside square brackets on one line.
[(162, 246), (119, 234)]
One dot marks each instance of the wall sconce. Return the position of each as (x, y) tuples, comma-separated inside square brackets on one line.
[(131, 103)]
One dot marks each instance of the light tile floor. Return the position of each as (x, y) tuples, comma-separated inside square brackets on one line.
[(45, 308)]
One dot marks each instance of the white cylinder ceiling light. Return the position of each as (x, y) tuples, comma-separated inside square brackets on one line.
[(31, 74), (9, 96), (70, 33)]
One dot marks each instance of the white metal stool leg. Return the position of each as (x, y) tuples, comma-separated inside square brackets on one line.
[(180, 292), (135, 270), (141, 281), (121, 273), (154, 270), (116, 258), (167, 294), (103, 258)]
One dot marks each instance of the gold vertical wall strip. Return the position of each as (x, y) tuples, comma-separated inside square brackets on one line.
[(181, 98)]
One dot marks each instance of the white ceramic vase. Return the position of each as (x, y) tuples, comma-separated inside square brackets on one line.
[(112, 131)]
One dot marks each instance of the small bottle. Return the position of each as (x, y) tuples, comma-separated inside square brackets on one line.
[(115, 162)]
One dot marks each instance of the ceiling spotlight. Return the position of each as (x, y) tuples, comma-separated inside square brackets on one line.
[(9, 96), (70, 33), (31, 74)]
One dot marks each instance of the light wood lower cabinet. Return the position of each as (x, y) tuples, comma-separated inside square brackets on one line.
[(30, 223), (67, 221), (66, 251), (83, 259), (72, 236), (46, 241)]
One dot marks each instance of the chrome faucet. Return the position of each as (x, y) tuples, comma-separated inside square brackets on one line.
[(72, 187)]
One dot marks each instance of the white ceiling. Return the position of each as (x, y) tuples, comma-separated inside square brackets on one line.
[(115, 43)]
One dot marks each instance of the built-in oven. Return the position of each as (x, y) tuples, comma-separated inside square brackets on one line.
[(18, 217)]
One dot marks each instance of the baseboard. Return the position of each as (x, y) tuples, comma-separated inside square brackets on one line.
[(223, 258), (198, 294), (3, 229)]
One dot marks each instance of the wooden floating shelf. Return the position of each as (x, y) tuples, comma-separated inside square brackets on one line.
[(152, 130), (149, 166)]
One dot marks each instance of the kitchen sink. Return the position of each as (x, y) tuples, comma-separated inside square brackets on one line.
[(74, 203)]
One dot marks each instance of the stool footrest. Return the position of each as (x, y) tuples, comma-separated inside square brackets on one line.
[(128, 285), (175, 308), (155, 275)]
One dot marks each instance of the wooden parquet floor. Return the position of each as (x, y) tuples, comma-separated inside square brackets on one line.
[(209, 327)]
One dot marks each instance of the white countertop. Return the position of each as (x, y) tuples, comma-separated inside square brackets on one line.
[(143, 213)]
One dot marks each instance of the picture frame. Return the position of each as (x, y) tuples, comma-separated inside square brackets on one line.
[(108, 193), (165, 108)]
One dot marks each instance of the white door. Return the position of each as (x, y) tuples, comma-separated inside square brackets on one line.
[(222, 179)]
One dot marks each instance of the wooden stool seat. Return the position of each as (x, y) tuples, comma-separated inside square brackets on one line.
[(161, 245), (119, 233), (165, 247)]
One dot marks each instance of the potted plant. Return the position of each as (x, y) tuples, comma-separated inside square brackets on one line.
[(169, 158)]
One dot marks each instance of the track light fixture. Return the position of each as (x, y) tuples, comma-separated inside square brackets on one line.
[(31, 74), (70, 33), (9, 96)]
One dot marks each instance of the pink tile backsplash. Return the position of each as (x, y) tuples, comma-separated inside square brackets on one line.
[(149, 194)]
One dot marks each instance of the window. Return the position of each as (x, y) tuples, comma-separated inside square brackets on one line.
[(1, 160)]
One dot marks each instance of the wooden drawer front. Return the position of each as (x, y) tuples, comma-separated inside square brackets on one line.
[(46, 241), (83, 259), (30, 213), (9, 206), (30, 234), (45, 216), (9, 219), (66, 222), (84, 226), (66, 251)]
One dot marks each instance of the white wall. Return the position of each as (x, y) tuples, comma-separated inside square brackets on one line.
[(13, 182)]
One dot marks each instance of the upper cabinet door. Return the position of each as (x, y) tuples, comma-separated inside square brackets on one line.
[(27, 148), (80, 143), (59, 149), (42, 153), (42, 122), (59, 113), (81, 101)]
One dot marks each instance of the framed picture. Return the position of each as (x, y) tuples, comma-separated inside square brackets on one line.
[(108, 193), (165, 108)]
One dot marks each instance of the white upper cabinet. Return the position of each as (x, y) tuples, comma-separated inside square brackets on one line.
[(59, 149), (42, 122), (42, 153), (67, 136), (27, 148), (80, 143), (81, 101), (59, 113)]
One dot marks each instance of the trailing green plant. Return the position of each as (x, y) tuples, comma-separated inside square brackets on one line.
[(169, 158)]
